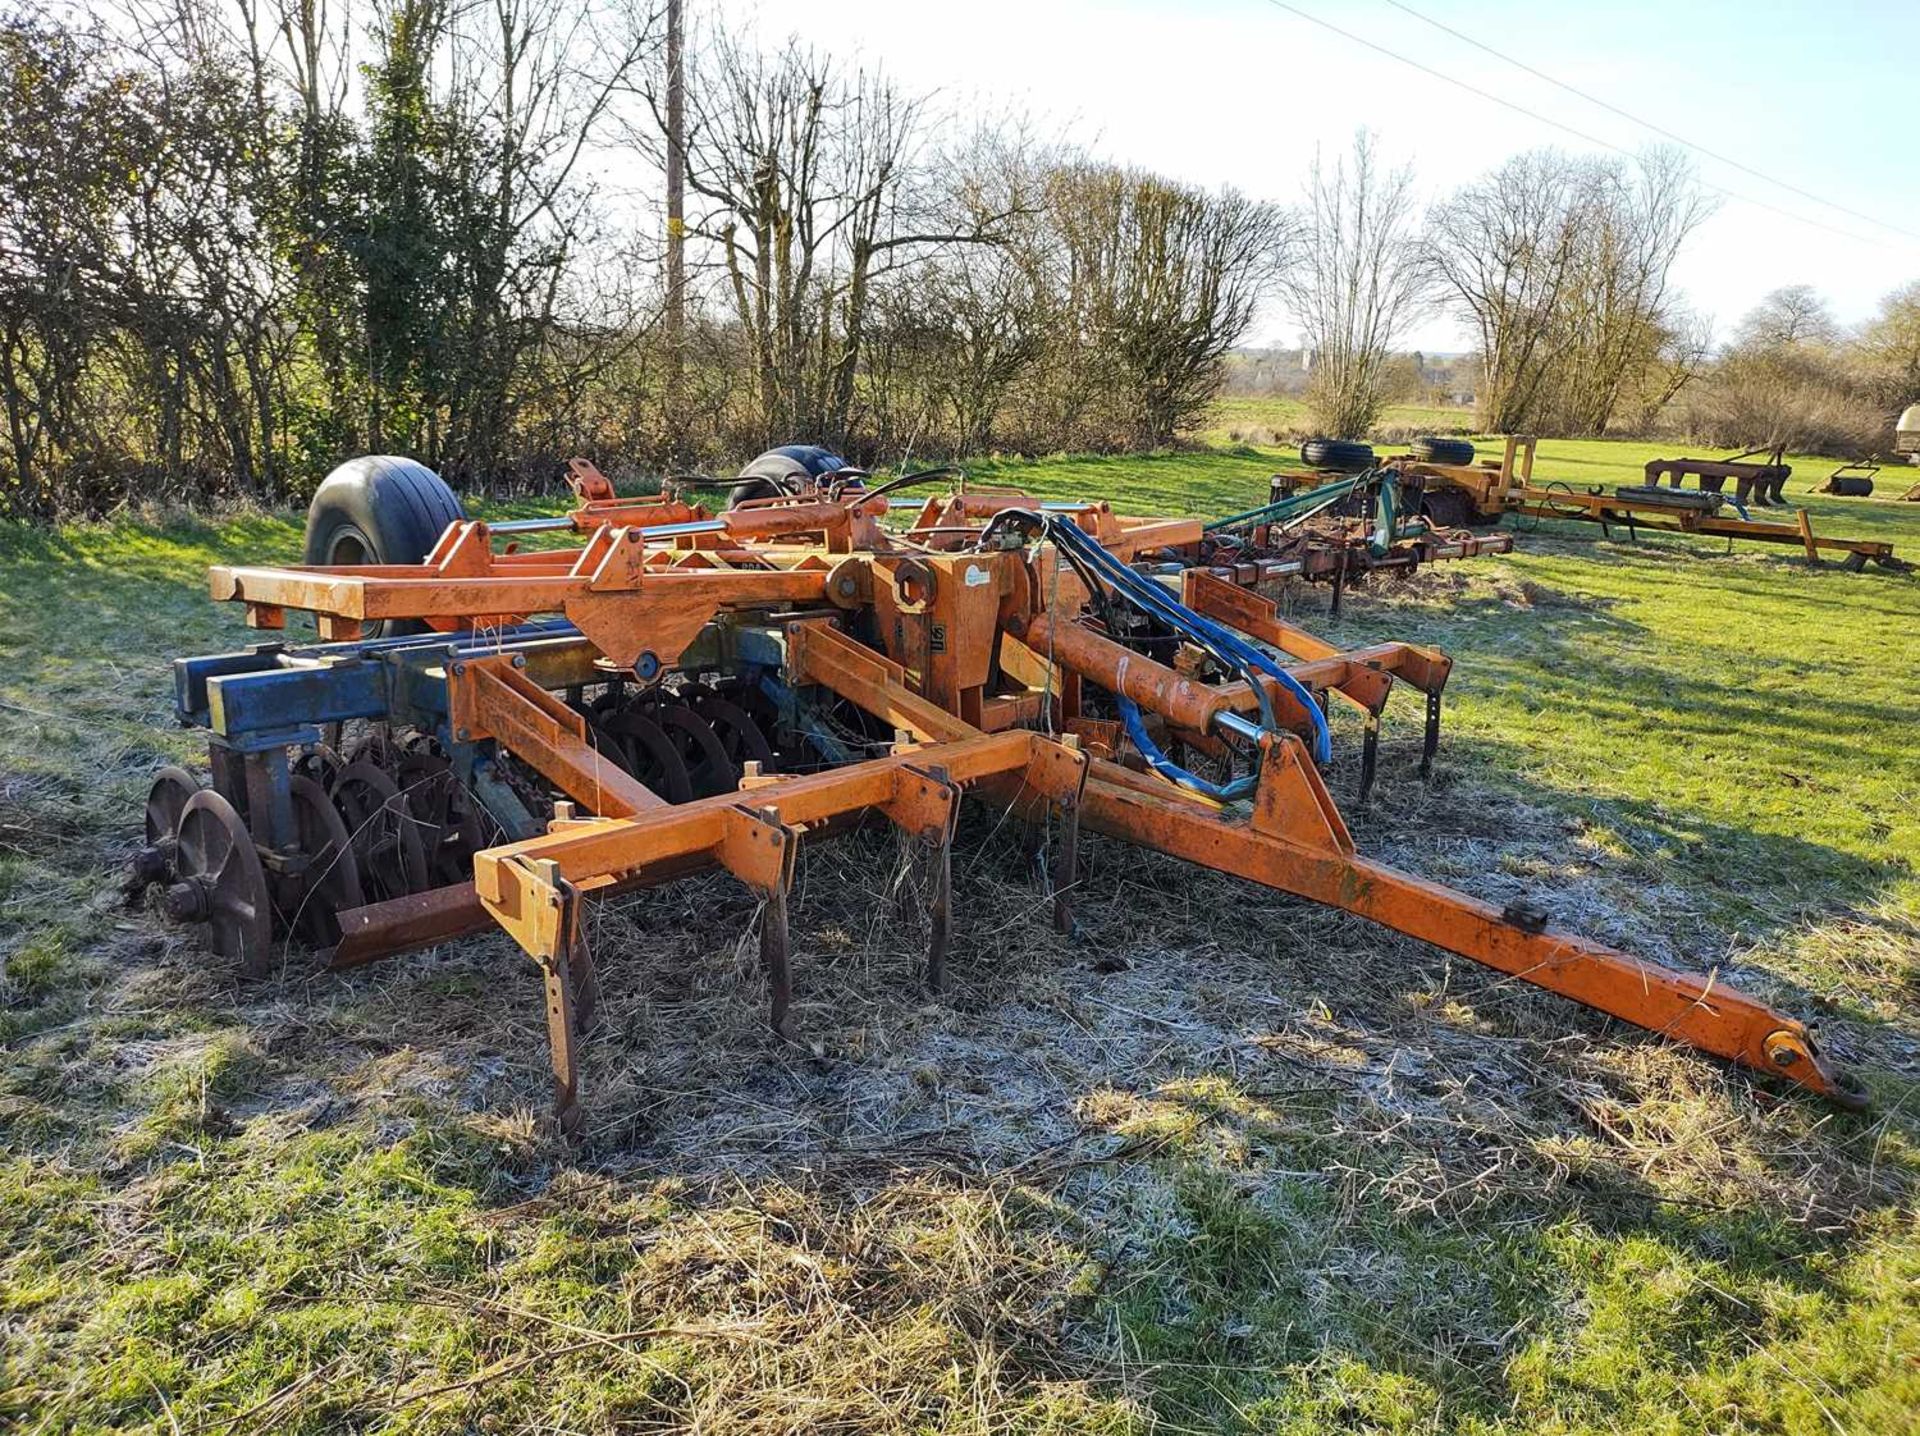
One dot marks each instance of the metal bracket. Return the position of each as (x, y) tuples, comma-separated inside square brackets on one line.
[(761, 851)]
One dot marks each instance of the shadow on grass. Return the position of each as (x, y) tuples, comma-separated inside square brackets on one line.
[(1695, 712)]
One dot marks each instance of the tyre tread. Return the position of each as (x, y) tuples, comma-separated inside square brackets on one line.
[(1341, 455), (398, 505), (1434, 449)]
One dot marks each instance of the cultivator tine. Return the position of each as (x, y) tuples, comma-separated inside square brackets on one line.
[(939, 912), (1369, 754), (775, 956), (926, 806), (1432, 743), (1066, 863), (762, 852), (564, 1016), (1053, 857), (586, 976)]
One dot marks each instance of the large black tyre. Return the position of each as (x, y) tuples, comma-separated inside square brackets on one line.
[(783, 471), (1431, 449), (379, 508), (1343, 456)]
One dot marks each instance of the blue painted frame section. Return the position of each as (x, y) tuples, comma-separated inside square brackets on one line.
[(273, 688)]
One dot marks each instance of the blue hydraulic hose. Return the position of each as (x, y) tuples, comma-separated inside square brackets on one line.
[(1167, 768), (1151, 597)]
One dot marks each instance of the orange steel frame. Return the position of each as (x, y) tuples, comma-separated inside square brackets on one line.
[(979, 660)]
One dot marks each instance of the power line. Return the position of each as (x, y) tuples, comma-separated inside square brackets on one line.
[(1539, 118), (1647, 124)]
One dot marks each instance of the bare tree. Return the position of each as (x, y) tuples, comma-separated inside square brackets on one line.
[(1800, 397), (1792, 314), (1159, 280), (980, 315), (1617, 311), (536, 82), (814, 187), (1890, 349), (206, 287), (1562, 268), (1358, 281), (1504, 250), (1678, 361), (135, 199), (1787, 379), (65, 151)]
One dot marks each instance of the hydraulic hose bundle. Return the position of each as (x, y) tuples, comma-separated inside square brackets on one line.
[(1108, 579)]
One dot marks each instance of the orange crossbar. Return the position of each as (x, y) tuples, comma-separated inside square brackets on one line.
[(1318, 862), (598, 852)]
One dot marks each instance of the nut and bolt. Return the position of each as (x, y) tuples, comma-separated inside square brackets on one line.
[(152, 865), (190, 900)]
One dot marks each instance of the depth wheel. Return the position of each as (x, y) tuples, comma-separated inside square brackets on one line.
[(220, 884), (173, 788), (383, 834), (331, 883), (1447, 508), (1432, 449), (649, 754), (379, 509), (1345, 456), (449, 826)]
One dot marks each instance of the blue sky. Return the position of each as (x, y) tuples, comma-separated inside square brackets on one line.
[(1822, 96)]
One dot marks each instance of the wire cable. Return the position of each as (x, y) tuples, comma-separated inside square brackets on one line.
[(1658, 129), (1577, 133)]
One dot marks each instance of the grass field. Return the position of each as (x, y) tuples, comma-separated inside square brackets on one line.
[(1223, 1162), (1272, 419)]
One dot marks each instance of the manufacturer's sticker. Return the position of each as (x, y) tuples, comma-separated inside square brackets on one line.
[(977, 575)]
